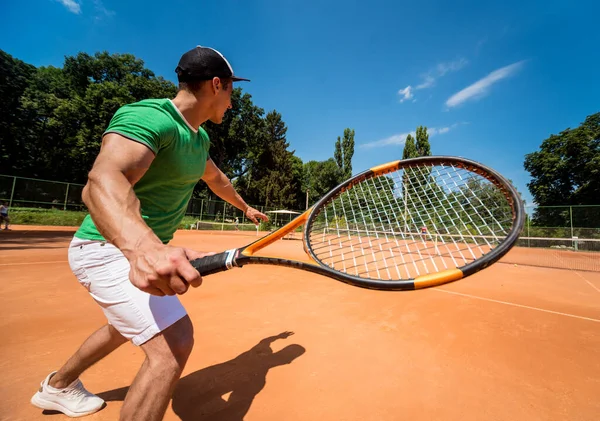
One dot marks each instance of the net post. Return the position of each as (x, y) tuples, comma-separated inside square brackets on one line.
[(435, 242)]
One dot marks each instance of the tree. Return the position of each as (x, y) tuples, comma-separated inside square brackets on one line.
[(273, 179), (319, 178), (422, 145), (344, 150), (416, 183), (566, 171), (64, 112), (410, 150), (51, 116), (15, 76)]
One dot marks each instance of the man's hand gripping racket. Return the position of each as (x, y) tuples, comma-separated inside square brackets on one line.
[(368, 231)]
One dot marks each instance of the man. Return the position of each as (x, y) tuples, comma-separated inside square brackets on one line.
[(152, 155), (4, 215)]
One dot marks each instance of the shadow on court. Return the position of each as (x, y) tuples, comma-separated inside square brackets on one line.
[(26, 240), (225, 391)]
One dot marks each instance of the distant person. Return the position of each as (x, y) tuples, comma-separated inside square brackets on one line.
[(237, 222), (4, 215), (153, 154), (423, 230)]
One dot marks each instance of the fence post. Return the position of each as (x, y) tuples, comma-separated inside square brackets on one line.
[(66, 196), (12, 192), (201, 208), (528, 239), (223, 218), (571, 218)]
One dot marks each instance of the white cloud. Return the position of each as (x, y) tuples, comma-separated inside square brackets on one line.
[(441, 70), (400, 139), (451, 66), (397, 139), (427, 83), (72, 5), (431, 76), (406, 93), (101, 11), (482, 86)]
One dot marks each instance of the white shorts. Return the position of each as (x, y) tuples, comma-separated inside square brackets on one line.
[(104, 271)]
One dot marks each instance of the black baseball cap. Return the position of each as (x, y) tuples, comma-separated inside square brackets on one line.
[(204, 63)]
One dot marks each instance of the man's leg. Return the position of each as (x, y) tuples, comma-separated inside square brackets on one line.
[(133, 315), (101, 343), (63, 391), (166, 356)]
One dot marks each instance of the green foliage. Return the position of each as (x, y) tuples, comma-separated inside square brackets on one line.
[(273, 179), (422, 144), (410, 150), (62, 113), (344, 151), (566, 171), (417, 183), (53, 217), (15, 76), (319, 178), (52, 120)]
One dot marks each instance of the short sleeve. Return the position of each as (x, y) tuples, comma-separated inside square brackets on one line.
[(143, 123), (205, 141)]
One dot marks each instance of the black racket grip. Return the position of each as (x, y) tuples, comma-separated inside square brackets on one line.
[(213, 264)]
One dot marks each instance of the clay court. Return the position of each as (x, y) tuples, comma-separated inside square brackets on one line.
[(513, 342)]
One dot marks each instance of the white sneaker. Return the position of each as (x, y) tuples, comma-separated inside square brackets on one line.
[(74, 400)]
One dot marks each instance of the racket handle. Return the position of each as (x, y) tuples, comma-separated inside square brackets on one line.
[(214, 264)]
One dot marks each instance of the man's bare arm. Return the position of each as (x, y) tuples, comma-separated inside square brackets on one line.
[(221, 186), (155, 268), (109, 194)]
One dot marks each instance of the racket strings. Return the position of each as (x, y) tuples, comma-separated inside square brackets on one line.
[(411, 222)]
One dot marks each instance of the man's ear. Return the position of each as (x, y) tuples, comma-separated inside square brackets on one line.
[(216, 84)]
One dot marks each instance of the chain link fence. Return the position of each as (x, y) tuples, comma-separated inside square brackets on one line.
[(21, 192), (566, 237)]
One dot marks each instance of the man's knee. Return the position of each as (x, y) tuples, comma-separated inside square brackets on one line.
[(173, 346)]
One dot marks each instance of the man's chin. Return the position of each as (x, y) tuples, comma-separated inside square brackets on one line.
[(216, 120)]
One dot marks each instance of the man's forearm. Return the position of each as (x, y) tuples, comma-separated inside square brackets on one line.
[(222, 187), (115, 210)]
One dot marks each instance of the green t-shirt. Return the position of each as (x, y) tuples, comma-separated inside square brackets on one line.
[(180, 159)]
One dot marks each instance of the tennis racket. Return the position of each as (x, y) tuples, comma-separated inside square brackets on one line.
[(404, 225)]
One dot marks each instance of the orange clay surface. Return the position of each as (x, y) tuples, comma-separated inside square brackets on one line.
[(509, 343)]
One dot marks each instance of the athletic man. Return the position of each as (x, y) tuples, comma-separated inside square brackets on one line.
[(153, 153)]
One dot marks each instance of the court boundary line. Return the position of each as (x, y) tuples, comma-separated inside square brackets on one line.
[(517, 305), (588, 282), (580, 275)]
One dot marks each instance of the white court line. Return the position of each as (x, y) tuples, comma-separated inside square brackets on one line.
[(33, 263), (518, 305), (578, 274), (590, 284)]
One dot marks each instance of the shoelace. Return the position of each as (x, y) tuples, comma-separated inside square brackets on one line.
[(76, 391)]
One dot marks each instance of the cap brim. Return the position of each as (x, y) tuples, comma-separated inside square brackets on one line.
[(239, 79)]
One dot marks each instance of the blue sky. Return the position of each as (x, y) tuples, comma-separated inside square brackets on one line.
[(490, 80)]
